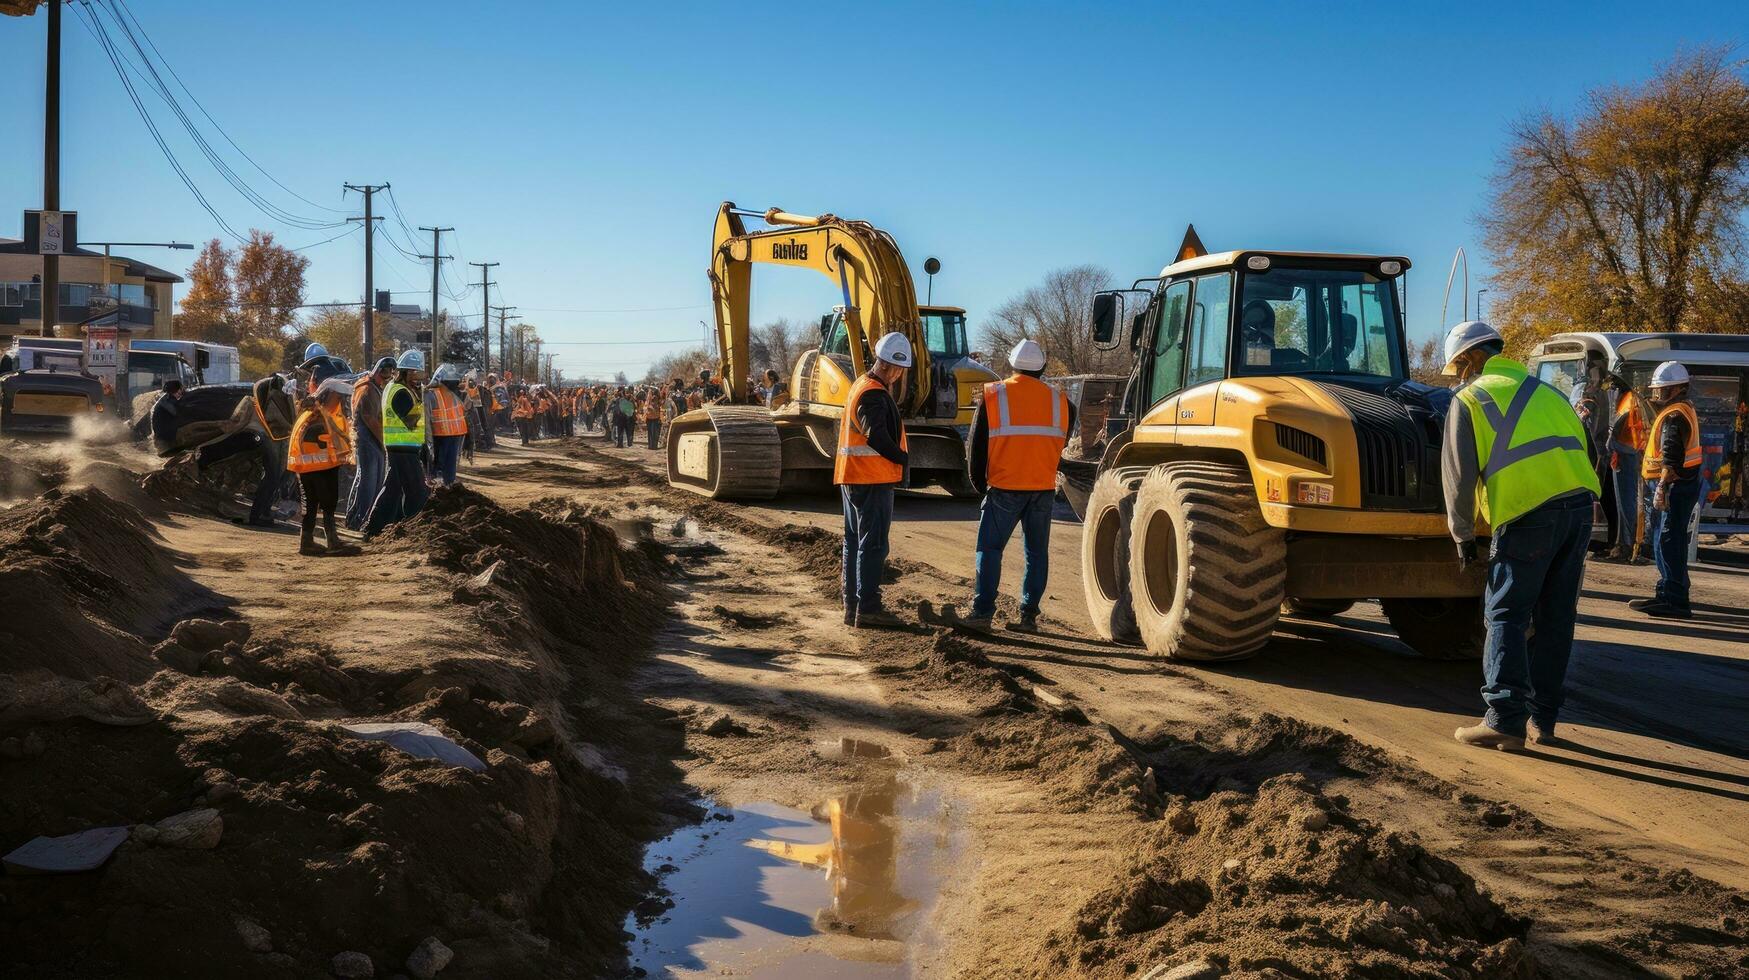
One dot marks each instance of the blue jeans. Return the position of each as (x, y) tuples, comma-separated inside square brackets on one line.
[(1001, 510), (1534, 576), (403, 491), (1670, 543), (1626, 476), (868, 515), (367, 480), (449, 451), (273, 473), (653, 427)]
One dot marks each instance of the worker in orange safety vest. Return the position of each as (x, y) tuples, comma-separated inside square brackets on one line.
[(318, 448), (1673, 458), (870, 464), (1018, 434)]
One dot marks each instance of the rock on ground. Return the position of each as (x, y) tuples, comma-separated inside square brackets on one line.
[(255, 938), (196, 830), (352, 965), (429, 958)]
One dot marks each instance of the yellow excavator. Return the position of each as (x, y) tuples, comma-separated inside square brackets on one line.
[(737, 450)]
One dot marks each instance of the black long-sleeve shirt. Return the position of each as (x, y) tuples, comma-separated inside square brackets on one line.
[(878, 417), (164, 413)]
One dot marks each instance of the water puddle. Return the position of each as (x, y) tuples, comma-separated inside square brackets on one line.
[(770, 891)]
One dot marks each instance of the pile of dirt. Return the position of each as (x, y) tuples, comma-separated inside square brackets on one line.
[(316, 842), (23, 474), (83, 579), (1286, 880)]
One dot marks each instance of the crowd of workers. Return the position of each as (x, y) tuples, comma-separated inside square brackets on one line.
[(1517, 455)]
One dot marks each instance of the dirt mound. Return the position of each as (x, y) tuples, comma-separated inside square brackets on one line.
[(1285, 879), (82, 580)]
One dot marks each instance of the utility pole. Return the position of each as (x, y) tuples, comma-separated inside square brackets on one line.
[(51, 285), (537, 366), (503, 351), (370, 299), (485, 308), (436, 258)]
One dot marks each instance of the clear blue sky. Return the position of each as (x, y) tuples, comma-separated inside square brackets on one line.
[(586, 146)]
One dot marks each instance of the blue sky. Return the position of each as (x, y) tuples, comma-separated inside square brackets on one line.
[(586, 147)]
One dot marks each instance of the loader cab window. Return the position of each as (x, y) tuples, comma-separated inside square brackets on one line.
[(1563, 375), (944, 333), (1166, 370), (836, 338), (1319, 320), (1207, 347)]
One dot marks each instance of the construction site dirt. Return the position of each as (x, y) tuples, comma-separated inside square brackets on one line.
[(683, 763)]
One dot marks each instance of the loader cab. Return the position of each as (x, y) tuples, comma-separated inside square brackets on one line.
[(944, 330), (1247, 314)]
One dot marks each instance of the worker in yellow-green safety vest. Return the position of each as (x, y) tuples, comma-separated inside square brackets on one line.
[(404, 491), (1515, 454)]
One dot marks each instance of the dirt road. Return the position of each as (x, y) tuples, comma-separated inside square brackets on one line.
[(1658, 765), (639, 668)]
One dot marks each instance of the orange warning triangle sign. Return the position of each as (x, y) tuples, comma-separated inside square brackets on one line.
[(1192, 247)]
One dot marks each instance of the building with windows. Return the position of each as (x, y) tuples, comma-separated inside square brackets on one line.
[(113, 290)]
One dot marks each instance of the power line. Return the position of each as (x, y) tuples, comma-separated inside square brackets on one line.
[(642, 309), (209, 117)]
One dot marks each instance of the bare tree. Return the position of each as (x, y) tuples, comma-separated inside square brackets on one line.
[(777, 345), (1629, 217), (1056, 314), (681, 364)]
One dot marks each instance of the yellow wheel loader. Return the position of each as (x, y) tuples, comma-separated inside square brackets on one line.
[(1270, 452), (737, 450)]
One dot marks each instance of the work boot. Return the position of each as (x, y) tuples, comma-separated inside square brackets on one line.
[(1028, 623), (307, 543), (1543, 733), (977, 622), (1667, 610), (850, 615), (1616, 554), (878, 619), (1640, 604), (330, 533), (1482, 736)]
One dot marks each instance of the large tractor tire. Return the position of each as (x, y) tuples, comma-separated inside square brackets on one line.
[(1207, 573), (1105, 553), (1316, 608), (1439, 629)]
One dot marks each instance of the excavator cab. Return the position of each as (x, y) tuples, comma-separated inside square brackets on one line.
[(954, 377)]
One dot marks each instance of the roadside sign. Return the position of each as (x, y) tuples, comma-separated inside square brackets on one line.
[(50, 232), (101, 350)]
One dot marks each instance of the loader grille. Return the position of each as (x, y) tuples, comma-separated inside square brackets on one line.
[(1302, 443), (1399, 463)]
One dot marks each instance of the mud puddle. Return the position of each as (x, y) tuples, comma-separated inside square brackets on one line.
[(764, 890)]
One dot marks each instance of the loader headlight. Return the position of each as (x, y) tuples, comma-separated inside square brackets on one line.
[(1257, 263), (1390, 267)]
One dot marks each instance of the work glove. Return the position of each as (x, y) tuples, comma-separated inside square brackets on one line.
[(1467, 555), (1661, 501)]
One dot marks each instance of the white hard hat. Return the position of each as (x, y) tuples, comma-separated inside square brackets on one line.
[(447, 372), (1027, 356), (411, 360), (894, 349), (1464, 336), (1668, 374), (315, 350)]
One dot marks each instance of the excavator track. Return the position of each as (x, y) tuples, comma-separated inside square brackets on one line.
[(726, 452)]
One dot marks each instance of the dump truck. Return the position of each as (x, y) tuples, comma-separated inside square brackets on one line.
[(1270, 452), (736, 450)]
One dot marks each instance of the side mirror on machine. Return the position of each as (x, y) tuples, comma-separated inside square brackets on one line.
[(1105, 314)]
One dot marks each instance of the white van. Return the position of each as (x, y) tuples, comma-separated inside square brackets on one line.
[(1718, 365), (214, 364)]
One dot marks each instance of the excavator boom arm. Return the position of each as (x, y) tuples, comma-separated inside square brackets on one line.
[(865, 262)]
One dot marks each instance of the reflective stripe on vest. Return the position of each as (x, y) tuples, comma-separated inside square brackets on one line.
[(858, 462), (262, 416), (1532, 450), (1652, 467), (395, 433), (1024, 452), (322, 449), (447, 416)]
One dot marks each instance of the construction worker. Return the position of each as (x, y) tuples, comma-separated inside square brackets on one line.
[(270, 411), (524, 416), (627, 409), (319, 448), (447, 417), (1673, 458), (164, 417), (1515, 452), (653, 417), (403, 493), (367, 441), (870, 463), (776, 390), (1627, 443), (1018, 435)]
